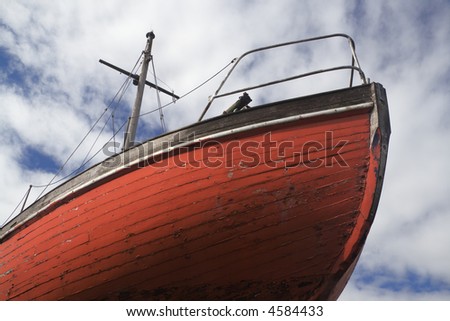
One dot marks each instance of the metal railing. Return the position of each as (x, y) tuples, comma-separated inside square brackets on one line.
[(355, 66)]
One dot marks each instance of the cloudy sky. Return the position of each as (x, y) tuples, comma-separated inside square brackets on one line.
[(52, 90)]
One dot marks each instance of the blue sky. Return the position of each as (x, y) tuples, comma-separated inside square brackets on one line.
[(52, 89)]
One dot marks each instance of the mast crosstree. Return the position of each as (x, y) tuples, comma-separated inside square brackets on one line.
[(141, 81)]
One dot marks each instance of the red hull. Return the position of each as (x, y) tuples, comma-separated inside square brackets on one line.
[(237, 216)]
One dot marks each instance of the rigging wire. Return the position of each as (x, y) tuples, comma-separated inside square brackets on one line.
[(23, 200), (98, 151), (113, 121), (161, 115), (121, 90), (105, 124), (15, 209), (192, 90), (125, 84), (161, 81)]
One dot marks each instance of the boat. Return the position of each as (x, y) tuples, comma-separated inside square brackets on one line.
[(270, 202)]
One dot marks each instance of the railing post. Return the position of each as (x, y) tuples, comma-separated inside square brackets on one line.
[(352, 67)]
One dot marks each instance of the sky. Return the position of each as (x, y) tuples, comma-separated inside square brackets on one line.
[(53, 90)]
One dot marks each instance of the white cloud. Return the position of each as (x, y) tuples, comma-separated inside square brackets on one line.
[(55, 47), (410, 231), (370, 292)]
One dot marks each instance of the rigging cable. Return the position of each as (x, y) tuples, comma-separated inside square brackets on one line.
[(192, 90), (24, 197), (113, 121), (84, 138), (161, 115), (83, 163), (122, 89)]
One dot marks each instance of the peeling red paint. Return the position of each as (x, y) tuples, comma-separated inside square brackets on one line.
[(194, 232)]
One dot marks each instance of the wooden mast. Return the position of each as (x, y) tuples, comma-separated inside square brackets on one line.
[(130, 133)]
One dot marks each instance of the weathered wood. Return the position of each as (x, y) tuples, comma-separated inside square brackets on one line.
[(288, 226)]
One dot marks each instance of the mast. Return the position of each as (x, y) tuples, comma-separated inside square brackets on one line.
[(130, 134)]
